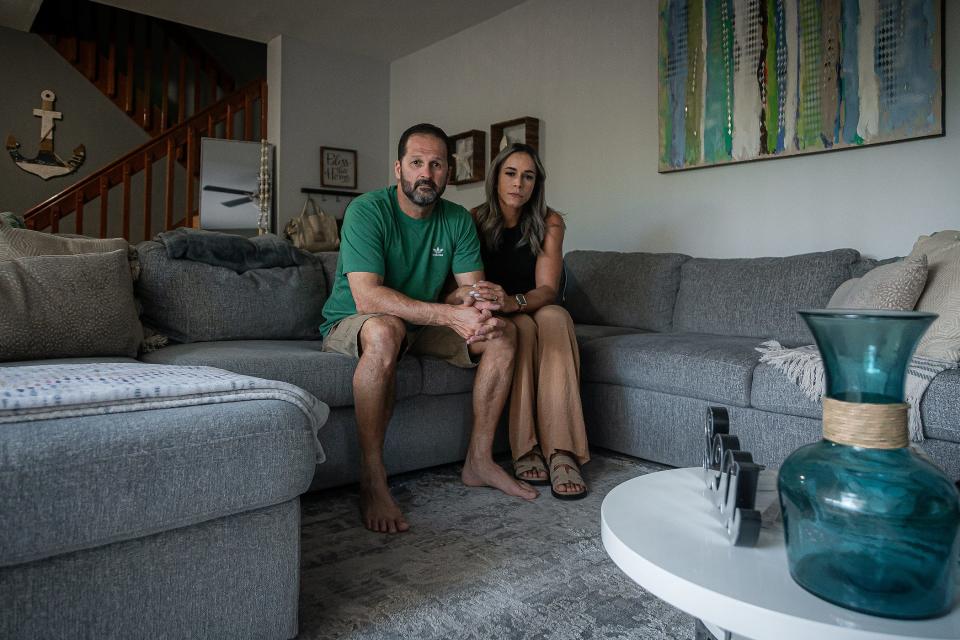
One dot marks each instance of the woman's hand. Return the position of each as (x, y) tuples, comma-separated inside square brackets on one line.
[(485, 291)]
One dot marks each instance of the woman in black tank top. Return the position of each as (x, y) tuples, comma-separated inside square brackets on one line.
[(521, 242)]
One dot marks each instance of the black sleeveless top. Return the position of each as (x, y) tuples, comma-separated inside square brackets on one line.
[(512, 267)]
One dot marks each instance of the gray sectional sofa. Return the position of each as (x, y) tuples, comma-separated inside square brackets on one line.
[(664, 336), (176, 523)]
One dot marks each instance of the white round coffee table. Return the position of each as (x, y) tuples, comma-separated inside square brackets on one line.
[(662, 530)]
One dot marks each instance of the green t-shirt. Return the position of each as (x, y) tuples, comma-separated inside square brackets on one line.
[(413, 256)]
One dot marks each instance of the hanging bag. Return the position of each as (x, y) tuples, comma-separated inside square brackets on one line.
[(313, 230)]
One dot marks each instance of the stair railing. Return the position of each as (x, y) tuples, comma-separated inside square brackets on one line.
[(179, 144)]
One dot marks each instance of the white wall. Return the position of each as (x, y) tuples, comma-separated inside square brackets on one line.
[(321, 97), (588, 70)]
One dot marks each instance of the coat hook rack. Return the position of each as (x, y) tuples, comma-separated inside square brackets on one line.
[(349, 195)]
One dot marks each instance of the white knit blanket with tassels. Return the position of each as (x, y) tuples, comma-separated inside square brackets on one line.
[(803, 366)]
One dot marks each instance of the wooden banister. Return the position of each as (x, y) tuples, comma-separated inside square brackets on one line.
[(183, 138)]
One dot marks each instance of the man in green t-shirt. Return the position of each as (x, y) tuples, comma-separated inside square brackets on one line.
[(397, 247)]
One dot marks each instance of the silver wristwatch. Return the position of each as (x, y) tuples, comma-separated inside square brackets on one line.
[(521, 301)]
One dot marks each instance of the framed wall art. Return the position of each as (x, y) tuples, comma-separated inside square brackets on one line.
[(748, 80), (338, 168), (468, 150), (525, 130)]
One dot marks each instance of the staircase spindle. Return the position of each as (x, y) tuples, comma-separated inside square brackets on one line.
[(168, 186), (212, 72), (263, 109), (165, 91), (55, 219), (197, 87), (88, 59), (247, 116), (147, 195), (104, 204), (78, 212), (191, 168), (182, 90), (128, 85), (147, 84), (228, 124), (125, 219)]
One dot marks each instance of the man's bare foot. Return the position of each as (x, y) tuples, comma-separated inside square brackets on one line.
[(486, 473), (378, 511)]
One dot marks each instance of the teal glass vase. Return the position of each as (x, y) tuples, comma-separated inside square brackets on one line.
[(869, 524)]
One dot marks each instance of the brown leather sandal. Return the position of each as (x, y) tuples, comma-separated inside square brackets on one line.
[(564, 470), (531, 461)]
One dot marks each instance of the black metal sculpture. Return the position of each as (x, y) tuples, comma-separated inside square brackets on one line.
[(732, 477)]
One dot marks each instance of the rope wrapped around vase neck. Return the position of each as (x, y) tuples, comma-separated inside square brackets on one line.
[(872, 426)]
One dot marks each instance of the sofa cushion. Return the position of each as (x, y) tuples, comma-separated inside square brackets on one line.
[(20, 243), (196, 302), (65, 306), (329, 261), (587, 332), (773, 391), (635, 290), (941, 295), (75, 483), (441, 378), (708, 367), (328, 376), (758, 297), (939, 407), (895, 286)]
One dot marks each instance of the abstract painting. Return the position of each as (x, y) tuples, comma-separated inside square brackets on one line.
[(753, 79)]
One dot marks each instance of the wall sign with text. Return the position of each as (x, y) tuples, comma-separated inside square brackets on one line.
[(338, 168)]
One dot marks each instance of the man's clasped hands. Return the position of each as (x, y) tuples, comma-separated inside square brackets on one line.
[(473, 318)]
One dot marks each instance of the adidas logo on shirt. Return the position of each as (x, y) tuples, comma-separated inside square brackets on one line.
[(437, 252)]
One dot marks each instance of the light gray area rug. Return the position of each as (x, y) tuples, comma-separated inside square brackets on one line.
[(475, 564)]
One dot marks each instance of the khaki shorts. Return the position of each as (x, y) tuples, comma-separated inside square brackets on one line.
[(439, 342)]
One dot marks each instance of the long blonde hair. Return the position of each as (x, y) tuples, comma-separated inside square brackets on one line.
[(533, 215)]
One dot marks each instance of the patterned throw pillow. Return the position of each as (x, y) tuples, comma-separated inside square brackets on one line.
[(68, 306), (10, 219), (895, 286), (941, 295)]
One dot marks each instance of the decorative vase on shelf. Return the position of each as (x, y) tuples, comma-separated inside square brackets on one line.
[(870, 525)]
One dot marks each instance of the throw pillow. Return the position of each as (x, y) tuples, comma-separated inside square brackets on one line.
[(895, 286), (190, 301), (941, 295), (68, 306), (21, 243), (10, 219)]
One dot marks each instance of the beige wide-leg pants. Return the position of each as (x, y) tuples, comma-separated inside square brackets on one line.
[(545, 404)]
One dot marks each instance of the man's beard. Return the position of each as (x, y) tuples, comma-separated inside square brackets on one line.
[(418, 197)]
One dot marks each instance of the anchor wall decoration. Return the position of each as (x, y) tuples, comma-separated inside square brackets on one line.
[(47, 164)]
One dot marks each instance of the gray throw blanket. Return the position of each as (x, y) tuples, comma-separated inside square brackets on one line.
[(804, 367), (231, 251)]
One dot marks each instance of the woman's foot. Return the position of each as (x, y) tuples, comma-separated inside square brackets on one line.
[(566, 483), (532, 468)]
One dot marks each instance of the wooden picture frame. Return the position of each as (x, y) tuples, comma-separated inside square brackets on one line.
[(338, 168), (525, 130), (467, 151)]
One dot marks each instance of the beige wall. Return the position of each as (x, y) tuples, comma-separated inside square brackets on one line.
[(589, 71)]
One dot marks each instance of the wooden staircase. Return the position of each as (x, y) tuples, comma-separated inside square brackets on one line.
[(155, 72), (177, 144), (152, 69)]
